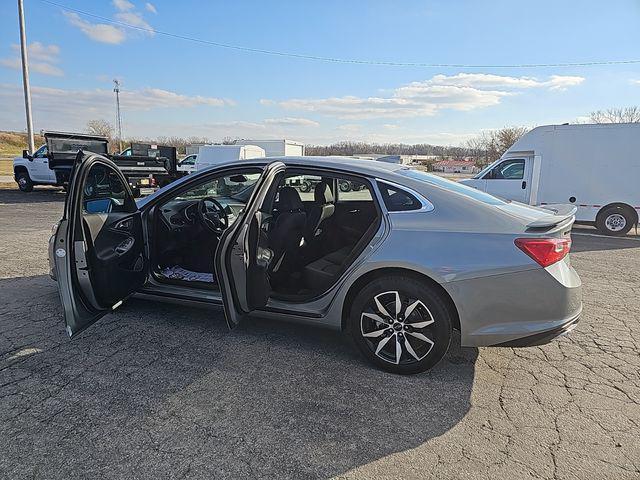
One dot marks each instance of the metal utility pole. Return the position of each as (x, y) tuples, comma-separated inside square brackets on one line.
[(25, 77), (116, 89)]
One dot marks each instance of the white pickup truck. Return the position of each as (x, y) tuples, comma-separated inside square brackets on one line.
[(51, 163), (30, 170)]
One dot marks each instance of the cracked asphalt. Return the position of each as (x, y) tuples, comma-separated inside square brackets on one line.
[(160, 391)]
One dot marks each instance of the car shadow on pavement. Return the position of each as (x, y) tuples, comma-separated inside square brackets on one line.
[(39, 195), (590, 242), (158, 390)]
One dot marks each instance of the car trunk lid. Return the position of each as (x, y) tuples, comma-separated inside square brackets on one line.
[(549, 219)]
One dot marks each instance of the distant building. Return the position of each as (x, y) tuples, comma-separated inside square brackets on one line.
[(455, 166), (399, 159)]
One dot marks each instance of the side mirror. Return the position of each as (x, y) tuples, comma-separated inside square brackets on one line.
[(25, 154)]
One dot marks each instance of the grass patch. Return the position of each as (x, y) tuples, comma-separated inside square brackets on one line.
[(6, 166), (12, 143)]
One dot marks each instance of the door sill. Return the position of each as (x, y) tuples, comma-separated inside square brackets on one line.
[(180, 292)]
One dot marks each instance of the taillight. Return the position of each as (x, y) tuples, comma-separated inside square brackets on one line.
[(545, 251)]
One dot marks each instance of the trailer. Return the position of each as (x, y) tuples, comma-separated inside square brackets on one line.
[(277, 148)]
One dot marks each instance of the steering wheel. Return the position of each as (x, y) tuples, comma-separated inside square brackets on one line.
[(212, 215)]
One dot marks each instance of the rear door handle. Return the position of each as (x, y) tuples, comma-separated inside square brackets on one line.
[(524, 184)]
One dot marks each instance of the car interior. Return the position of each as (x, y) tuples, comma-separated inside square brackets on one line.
[(317, 224)]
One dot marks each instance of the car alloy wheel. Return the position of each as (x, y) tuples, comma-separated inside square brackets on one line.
[(400, 323), (397, 328)]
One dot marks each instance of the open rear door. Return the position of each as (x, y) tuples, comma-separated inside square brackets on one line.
[(99, 249), (243, 257)]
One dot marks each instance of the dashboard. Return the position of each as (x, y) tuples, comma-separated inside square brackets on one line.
[(180, 213)]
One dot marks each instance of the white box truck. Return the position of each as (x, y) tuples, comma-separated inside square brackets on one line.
[(277, 148), (209, 155), (594, 167)]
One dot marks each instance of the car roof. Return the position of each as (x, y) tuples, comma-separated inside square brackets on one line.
[(351, 164)]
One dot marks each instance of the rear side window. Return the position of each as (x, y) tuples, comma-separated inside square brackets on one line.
[(452, 186), (398, 200)]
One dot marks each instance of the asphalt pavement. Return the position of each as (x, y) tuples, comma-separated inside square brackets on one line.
[(160, 391)]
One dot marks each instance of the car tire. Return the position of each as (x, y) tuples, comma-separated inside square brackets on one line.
[(421, 330), (24, 182), (615, 221)]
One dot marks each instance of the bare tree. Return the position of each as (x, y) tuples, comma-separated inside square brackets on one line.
[(616, 115), (490, 145), (100, 127)]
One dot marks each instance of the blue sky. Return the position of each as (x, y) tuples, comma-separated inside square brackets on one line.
[(176, 87)]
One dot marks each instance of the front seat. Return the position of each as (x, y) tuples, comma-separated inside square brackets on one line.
[(289, 227), (322, 208)]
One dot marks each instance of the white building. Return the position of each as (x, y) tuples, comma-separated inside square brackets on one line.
[(455, 166)]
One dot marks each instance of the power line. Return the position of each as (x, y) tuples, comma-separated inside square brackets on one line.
[(320, 58)]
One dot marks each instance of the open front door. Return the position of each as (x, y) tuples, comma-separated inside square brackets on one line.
[(243, 257), (99, 246)]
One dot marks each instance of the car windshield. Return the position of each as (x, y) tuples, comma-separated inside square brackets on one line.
[(236, 187), (451, 185)]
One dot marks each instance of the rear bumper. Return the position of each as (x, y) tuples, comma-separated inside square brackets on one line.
[(524, 308), (542, 337)]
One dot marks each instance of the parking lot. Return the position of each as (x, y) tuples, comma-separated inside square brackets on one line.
[(161, 391)]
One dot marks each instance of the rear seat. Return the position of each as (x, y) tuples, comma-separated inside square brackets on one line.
[(320, 274)]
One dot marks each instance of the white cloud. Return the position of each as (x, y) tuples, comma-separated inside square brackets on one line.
[(291, 121), (100, 32), (45, 69), (349, 128), (135, 19), (39, 51), (483, 80), (74, 107), (114, 34), (462, 92), (266, 102), (150, 7), (123, 5), (634, 82), (41, 59)]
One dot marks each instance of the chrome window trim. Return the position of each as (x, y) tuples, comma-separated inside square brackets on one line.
[(427, 206)]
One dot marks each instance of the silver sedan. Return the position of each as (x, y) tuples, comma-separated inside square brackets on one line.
[(398, 260)]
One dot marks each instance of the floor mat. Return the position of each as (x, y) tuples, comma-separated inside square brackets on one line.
[(178, 273)]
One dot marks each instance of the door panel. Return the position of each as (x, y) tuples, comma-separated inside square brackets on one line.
[(99, 253), (510, 179), (243, 257), (115, 251), (39, 169)]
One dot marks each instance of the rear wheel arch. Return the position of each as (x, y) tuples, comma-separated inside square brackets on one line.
[(388, 271)]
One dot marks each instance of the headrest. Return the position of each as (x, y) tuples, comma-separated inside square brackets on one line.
[(322, 193), (289, 199)]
